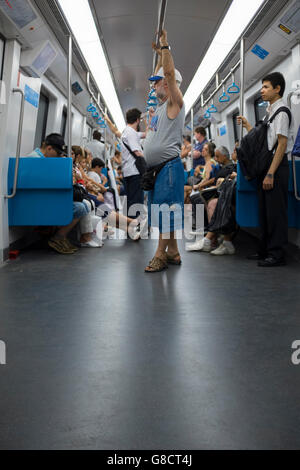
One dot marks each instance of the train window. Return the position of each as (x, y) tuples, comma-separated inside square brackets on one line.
[(235, 126), (42, 119), (260, 109), (64, 118), (90, 132)]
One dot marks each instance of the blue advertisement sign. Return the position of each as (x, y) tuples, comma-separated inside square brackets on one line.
[(32, 96), (260, 52), (223, 130)]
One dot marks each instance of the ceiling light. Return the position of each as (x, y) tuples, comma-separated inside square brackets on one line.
[(235, 22), (83, 26)]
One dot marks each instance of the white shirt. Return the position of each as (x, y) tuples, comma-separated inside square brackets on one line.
[(97, 149), (133, 139), (95, 177), (280, 125)]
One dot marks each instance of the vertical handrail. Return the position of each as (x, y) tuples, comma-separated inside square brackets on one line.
[(161, 22), (69, 87), (12, 195), (192, 137), (242, 90)]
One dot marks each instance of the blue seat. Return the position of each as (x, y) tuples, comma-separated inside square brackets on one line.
[(44, 192), (247, 202)]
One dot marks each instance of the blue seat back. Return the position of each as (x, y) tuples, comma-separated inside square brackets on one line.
[(247, 201), (44, 192)]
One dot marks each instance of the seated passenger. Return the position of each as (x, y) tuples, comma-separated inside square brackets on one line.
[(54, 147), (93, 183), (227, 167), (202, 173)]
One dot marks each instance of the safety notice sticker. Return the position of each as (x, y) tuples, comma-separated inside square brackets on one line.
[(260, 52)]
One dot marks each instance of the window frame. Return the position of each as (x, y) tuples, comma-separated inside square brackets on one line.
[(256, 110)]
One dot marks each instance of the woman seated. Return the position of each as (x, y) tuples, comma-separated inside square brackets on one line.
[(206, 173), (96, 191)]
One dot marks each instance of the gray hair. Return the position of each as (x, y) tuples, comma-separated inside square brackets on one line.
[(223, 151)]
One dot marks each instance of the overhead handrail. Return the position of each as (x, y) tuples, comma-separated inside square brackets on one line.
[(12, 195), (217, 89), (224, 98)]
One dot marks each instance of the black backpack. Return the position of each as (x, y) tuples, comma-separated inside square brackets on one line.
[(253, 154)]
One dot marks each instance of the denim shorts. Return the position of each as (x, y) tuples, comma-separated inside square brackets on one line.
[(166, 200), (79, 210)]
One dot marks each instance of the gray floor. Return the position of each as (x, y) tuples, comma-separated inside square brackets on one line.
[(103, 356)]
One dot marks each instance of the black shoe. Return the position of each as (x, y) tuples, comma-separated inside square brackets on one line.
[(270, 262), (256, 257)]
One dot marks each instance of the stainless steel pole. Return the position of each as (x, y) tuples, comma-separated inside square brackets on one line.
[(70, 95), (12, 195), (242, 94), (192, 136), (160, 27)]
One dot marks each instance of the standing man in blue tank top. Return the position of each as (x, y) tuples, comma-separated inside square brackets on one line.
[(163, 146)]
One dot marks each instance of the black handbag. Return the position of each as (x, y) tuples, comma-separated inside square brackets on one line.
[(149, 178), (140, 162)]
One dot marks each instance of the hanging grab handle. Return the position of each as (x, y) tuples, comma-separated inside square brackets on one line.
[(234, 88), (207, 114), (224, 98), (212, 109)]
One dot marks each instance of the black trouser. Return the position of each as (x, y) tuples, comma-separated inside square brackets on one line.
[(273, 213), (195, 200), (134, 192)]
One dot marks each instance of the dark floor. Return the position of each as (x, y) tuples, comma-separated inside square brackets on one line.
[(103, 356)]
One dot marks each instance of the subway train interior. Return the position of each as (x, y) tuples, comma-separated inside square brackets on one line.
[(94, 352)]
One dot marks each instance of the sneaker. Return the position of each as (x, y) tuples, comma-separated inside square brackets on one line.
[(134, 232), (198, 231), (201, 245), (60, 246), (90, 244), (223, 250), (143, 226)]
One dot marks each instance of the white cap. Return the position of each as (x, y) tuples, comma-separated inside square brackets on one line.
[(160, 74)]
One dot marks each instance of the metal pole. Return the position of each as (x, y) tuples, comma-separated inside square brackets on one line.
[(242, 68), (105, 139), (192, 137), (161, 22), (70, 95), (12, 195)]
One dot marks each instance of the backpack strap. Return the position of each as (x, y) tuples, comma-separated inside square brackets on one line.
[(283, 109)]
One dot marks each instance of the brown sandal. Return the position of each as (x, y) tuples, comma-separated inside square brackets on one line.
[(156, 265), (176, 259)]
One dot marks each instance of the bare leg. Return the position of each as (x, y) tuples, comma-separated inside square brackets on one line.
[(63, 232)]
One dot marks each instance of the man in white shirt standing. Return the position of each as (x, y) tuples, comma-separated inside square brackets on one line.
[(96, 147), (132, 136), (273, 187)]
